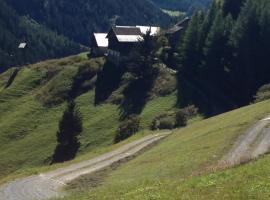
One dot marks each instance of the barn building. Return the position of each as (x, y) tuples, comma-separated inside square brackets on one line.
[(119, 41), (100, 43), (177, 30)]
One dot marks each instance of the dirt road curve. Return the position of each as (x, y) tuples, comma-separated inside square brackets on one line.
[(48, 185), (253, 143)]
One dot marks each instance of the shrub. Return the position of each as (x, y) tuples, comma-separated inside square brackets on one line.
[(167, 123), (174, 119), (180, 119), (263, 93), (164, 121), (190, 111), (127, 128)]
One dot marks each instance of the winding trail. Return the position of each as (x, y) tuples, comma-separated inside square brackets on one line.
[(48, 185), (253, 143)]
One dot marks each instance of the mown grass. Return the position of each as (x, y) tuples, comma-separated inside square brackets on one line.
[(28, 123), (171, 170), (174, 13)]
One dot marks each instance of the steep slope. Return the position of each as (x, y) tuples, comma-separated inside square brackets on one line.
[(78, 19), (35, 100), (48, 185), (54, 28), (184, 166), (41, 42)]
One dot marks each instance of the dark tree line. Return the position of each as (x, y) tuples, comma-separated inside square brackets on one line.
[(41, 42), (55, 28), (225, 51), (78, 19)]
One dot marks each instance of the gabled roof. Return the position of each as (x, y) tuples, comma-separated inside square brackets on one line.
[(101, 39), (129, 38), (133, 33), (153, 30), (174, 29), (22, 45), (126, 30), (183, 23), (127, 33)]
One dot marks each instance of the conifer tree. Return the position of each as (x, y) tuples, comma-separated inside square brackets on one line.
[(70, 127), (190, 55)]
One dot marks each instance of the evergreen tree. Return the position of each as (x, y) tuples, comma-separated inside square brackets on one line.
[(250, 68), (217, 50), (70, 127), (190, 55), (232, 7), (226, 53)]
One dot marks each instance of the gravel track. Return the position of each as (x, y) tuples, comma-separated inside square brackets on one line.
[(48, 185), (253, 143)]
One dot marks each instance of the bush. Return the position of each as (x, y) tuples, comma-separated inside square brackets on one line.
[(164, 121), (190, 111), (180, 119), (263, 93), (167, 123), (175, 119), (127, 128)]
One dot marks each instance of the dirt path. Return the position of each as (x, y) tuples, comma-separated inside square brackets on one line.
[(253, 143), (48, 185)]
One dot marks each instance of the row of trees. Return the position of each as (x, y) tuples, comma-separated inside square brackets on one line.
[(226, 50), (41, 42), (78, 19)]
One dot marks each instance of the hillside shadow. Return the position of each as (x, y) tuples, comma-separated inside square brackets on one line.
[(12, 78), (82, 82), (65, 153), (108, 80), (135, 97), (204, 96)]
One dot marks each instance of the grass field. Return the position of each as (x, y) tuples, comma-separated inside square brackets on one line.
[(176, 168), (33, 105)]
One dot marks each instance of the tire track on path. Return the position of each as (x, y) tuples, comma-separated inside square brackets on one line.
[(48, 185)]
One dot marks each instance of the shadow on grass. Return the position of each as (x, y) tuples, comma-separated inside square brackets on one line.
[(108, 80), (135, 97), (12, 77)]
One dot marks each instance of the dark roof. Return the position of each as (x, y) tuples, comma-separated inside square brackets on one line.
[(174, 29), (184, 22), (126, 30), (182, 25)]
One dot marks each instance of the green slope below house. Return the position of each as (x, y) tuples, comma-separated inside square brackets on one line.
[(181, 166), (33, 104)]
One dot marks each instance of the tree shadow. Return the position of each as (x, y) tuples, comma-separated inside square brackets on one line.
[(12, 77), (108, 80), (82, 82), (135, 97), (64, 153), (70, 127), (210, 100)]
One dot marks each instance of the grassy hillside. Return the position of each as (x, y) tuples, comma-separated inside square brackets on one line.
[(178, 168), (34, 103)]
